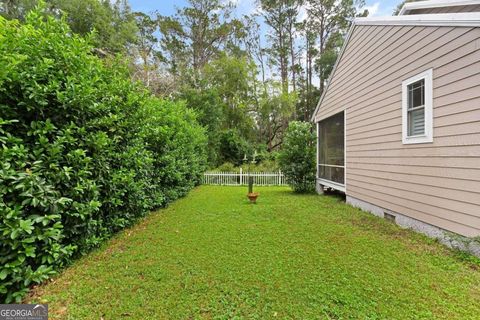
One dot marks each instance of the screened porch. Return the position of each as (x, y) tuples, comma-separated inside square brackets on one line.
[(331, 152)]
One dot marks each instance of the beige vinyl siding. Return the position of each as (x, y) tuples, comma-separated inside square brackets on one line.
[(439, 182), (389, 64), (450, 9)]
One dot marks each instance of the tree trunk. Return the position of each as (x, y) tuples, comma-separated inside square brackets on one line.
[(283, 63), (292, 57)]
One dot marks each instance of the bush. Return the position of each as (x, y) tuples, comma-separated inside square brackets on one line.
[(227, 167), (297, 157), (84, 151), (180, 154), (264, 166)]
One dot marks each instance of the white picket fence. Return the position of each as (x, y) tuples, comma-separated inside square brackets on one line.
[(241, 178)]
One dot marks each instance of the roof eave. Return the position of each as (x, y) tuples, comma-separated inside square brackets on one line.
[(409, 6), (466, 19)]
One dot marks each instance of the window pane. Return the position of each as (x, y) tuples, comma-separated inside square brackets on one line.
[(416, 94), (331, 173), (331, 140), (416, 122)]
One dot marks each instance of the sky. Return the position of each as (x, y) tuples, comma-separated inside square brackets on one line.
[(167, 7)]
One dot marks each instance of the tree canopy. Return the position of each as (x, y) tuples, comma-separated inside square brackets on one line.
[(236, 77)]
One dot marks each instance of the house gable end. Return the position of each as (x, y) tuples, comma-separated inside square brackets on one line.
[(361, 26)]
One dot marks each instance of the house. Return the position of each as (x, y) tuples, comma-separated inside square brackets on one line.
[(398, 124)]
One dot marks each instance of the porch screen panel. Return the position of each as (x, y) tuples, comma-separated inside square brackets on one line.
[(331, 147)]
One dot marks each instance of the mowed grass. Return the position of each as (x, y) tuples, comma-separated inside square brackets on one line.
[(212, 255)]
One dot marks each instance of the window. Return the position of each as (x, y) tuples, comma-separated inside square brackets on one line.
[(417, 113), (331, 149)]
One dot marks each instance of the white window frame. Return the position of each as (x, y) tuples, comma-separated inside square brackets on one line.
[(427, 137)]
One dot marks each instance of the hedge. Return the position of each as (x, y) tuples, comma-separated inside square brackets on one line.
[(297, 156), (84, 151)]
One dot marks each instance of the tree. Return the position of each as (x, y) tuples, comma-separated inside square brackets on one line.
[(280, 16), (209, 109), (329, 20), (293, 10), (274, 112), (254, 48), (297, 156), (145, 50), (16, 9), (112, 21), (204, 52), (233, 147), (233, 80), (195, 36), (223, 100)]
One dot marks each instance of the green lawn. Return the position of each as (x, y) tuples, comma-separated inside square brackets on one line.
[(212, 255)]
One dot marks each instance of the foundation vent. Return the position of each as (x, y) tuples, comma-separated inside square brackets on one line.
[(388, 216)]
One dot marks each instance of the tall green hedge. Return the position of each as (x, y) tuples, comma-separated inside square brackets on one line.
[(297, 156), (84, 152)]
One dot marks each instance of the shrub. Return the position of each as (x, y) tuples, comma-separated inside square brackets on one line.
[(180, 154), (227, 167), (297, 156), (84, 151)]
